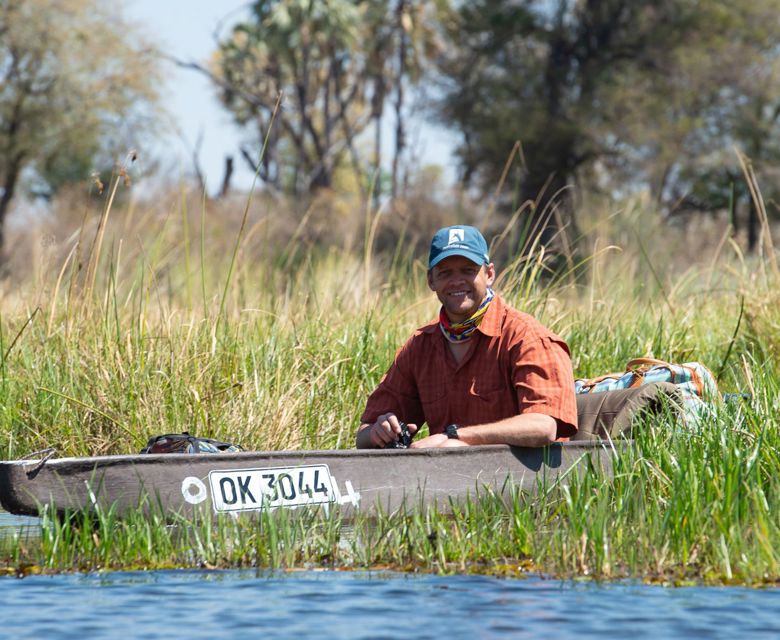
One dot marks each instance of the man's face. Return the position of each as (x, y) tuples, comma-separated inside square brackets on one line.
[(460, 285)]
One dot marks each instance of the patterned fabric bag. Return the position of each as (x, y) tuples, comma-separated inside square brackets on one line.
[(697, 386), (185, 443)]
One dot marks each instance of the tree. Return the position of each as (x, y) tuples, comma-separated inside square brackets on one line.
[(336, 63), (303, 51), (732, 108), (76, 85), (629, 84), (404, 41)]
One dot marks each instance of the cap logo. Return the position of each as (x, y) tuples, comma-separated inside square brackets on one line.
[(456, 236)]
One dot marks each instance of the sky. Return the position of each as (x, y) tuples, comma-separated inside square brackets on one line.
[(185, 29)]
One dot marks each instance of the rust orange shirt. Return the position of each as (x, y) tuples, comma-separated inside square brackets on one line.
[(514, 365)]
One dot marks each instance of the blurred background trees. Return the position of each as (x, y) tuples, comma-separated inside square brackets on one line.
[(613, 96), (77, 87), (301, 50), (547, 99), (338, 64)]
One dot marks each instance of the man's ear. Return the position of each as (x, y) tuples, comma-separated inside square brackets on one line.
[(430, 279), (490, 272)]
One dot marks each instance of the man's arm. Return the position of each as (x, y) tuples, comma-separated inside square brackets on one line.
[(525, 430), (396, 395)]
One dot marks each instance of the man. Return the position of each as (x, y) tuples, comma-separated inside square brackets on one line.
[(484, 373)]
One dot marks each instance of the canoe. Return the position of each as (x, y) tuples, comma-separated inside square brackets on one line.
[(253, 481)]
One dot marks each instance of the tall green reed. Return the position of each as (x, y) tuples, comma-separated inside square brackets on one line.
[(281, 348)]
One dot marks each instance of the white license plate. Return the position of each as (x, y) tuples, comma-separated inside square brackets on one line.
[(252, 489)]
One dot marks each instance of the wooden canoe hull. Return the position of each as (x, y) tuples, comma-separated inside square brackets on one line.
[(251, 481)]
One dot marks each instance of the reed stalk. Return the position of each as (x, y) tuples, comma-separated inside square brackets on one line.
[(288, 342)]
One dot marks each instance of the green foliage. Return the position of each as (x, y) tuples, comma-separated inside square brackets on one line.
[(150, 331), (613, 95), (284, 354), (307, 54), (77, 87)]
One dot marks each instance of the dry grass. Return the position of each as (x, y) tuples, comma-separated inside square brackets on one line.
[(273, 336), (253, 322)]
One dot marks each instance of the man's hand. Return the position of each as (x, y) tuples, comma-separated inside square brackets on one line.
[(385, 430), (437, 441)]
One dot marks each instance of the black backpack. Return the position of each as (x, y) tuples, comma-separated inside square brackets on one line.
[(186, 443)]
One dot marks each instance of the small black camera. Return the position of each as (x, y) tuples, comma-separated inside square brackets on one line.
[(404, 440)]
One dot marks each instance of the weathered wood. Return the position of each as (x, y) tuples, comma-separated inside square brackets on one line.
[(365, 480)]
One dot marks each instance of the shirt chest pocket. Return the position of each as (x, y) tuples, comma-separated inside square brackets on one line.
[(486, 389), (432, 390)]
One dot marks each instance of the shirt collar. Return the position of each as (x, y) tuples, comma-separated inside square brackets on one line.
[(491, 322)]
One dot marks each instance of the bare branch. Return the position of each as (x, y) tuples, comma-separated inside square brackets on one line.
[(251, 98)]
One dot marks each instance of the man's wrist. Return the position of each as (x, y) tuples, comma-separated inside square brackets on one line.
[(364, 438)]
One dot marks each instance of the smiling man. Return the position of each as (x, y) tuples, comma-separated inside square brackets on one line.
[(483, 373)]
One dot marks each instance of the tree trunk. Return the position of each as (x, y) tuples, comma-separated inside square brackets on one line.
[(327, 121), (552, 153), (752, 226), (734, 219), (8, 187), (377, 159), (227, 177), (546, 187), (400, 134)]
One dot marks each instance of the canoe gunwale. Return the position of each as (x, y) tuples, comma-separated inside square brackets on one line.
[(152, 458)]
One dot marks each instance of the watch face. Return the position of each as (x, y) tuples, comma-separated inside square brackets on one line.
[(452, 431)]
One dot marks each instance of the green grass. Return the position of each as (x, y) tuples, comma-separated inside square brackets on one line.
[(276, 345), (680, 508)]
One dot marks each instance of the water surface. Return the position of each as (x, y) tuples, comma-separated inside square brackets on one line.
[(11, 524), (201, 604)]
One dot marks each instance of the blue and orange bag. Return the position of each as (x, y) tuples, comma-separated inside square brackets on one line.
[(695, 382)]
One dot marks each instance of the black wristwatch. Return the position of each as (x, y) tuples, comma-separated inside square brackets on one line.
[(452, 431)]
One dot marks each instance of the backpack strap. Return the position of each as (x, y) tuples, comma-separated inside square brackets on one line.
[(644, 363), (592, 382)]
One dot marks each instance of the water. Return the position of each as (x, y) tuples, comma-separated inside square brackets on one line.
[(330, 604), (201, 604), (10, 524)]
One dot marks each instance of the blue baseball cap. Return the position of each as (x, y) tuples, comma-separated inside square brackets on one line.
[(460, 240)]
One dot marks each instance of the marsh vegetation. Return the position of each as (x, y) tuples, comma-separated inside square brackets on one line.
[(167, 318)]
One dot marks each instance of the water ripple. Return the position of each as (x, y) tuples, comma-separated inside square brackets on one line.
[(199, 604)]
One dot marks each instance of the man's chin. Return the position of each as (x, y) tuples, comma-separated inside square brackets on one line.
[(461, 312)]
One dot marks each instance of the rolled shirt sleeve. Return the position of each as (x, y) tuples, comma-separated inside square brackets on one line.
[(542, 377), (396, 393)]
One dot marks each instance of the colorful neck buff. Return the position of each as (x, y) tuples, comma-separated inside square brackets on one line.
[(461, 331)]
